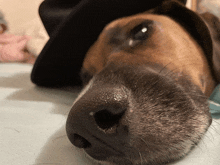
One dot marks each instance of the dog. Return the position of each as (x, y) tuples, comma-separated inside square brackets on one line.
[(147, 80)]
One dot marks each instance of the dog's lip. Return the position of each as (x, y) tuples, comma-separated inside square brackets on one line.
[(107, 148), (103, 155), (108, 161), (96, 154)]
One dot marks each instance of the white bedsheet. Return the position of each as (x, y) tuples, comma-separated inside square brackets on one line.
[(32, 125), (32, 121)]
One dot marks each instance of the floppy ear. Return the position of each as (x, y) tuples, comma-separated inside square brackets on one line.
[(197, 28), (213, 24)]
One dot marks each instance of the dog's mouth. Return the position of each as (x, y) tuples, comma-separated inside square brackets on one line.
[(138, 115)]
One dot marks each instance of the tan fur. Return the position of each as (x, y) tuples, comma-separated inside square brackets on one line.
[(170, 45)]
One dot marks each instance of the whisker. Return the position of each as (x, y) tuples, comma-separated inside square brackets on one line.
[(164, 67), (152, 85), (207, 136), (199, 143), (46, 164), (172, 71), (147, 143), (198, 146), (173, 61), (59, 137), (141, 158), (213, 128), (217, 122), (198, 95), (153, 144)]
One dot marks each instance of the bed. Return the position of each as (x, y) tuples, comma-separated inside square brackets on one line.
[(32, 124), (33, 120)]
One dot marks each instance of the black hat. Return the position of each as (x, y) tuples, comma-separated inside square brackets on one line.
[(73, 26)]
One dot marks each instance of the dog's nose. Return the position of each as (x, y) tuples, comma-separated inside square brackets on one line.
[(95, 121)]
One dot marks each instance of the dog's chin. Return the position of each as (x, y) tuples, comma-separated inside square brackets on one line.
[(141, 159)]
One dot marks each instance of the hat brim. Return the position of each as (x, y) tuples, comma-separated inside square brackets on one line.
[(61, 59)]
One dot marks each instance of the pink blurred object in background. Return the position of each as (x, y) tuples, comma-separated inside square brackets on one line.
[(13, 49)]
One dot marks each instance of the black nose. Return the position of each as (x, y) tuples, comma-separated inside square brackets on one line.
[(95, 121)]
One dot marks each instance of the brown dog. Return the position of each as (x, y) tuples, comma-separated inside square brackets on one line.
[(148, 78)]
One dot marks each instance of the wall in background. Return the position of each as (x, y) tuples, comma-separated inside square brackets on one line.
[(19, 12), (189, 3), (212, 6)]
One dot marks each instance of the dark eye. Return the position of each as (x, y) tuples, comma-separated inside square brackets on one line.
[(142, 31)]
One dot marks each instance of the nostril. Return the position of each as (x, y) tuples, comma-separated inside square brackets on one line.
[(106, 119), (80, 142)]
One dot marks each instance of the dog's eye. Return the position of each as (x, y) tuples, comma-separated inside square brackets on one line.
[(142, 31)]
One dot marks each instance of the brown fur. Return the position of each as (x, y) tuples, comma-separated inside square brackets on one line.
[(145, 99), (169, 38)]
